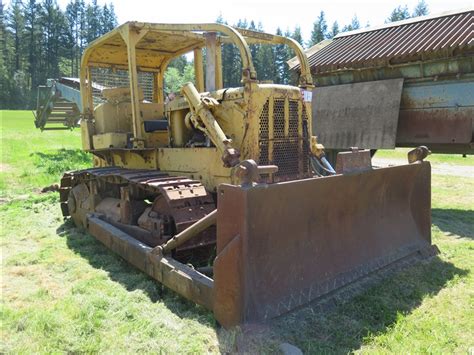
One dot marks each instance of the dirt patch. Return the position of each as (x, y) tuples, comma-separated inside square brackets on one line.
[(5, 168), (436, 168)]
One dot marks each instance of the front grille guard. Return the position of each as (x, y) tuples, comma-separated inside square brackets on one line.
[(286, 148)]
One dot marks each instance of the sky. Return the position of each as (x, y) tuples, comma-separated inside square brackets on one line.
[(271, 13)]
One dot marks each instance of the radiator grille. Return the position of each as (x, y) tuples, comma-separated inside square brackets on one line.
[(279, 119), (264, 122), (289, 152)]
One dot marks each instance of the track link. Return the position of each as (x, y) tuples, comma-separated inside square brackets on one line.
[(177, 198)]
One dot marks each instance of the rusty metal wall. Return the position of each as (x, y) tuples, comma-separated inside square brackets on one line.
[(439, 114), (361, 115), (435, 57)]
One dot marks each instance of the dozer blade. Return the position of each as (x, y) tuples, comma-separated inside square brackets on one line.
[(283, 245)]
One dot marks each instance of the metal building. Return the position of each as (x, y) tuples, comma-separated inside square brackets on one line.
[(402, 84)]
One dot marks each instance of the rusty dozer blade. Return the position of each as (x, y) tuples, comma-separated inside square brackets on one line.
[(282, 245)]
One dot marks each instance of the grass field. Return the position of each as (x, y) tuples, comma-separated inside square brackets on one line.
[(62, 291)]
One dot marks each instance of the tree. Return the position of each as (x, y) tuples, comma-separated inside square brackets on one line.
[(179, 63), (16, 26), (254, 49), (320, 29), (230, 70), (73, 16), (4, 75), (174, 79), (108, 18), (265, 58), (32, 35), (292, 76), (3, 35), (421, 9), (354, 25), (334, 30), (297, 36), (39, 41), (281, 74), (399, 13), (93, 18), (54, 29)]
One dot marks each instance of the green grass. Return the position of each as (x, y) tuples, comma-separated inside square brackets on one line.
[(452, 159), (62, 291), (33, 159)]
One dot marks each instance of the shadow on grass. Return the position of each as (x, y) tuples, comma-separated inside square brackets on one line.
[(454, 221), (343, 328), (340, 328), (61, 160), (127, 275)]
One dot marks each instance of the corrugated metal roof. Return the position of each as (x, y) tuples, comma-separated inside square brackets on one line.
[(404, 41)]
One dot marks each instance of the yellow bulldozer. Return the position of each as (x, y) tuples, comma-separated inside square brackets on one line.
[(223, 194)]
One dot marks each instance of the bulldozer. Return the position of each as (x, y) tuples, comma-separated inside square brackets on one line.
[(223, 194)]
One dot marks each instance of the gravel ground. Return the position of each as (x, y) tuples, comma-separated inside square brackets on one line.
[(437, 168)]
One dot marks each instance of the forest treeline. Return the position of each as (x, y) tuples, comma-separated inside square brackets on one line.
[(39, 40)]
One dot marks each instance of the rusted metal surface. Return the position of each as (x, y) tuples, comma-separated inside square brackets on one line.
[(435, 126), (262, 268), (411, 40), (179, 277), (250, 173), (190, 232), (178, 202), (438, 114), (352, 162), (321, 241), (418, 154), (361, 115)]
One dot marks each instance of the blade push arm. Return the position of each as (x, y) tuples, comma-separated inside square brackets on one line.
[(204, 120)]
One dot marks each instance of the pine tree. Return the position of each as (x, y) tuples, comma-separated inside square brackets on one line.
[(281, 57), (15, 63), (39, 41), (32, 37), (265, 58), (334, 30), (254, 49), (4, 77), (354, 25), (76, 18), (93, 18), (3, 35), (53, 23), (421, 9), (297, 36), (227, 57), (319, 32), (72, 15), (109, 20), (399, 13), (16, 26), (179, 63)]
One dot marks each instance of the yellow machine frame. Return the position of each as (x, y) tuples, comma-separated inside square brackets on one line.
[(147, 47)]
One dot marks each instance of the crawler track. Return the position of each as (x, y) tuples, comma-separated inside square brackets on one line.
[(150, 205)]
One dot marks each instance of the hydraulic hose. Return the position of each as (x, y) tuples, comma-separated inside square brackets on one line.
[(323, 164)]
